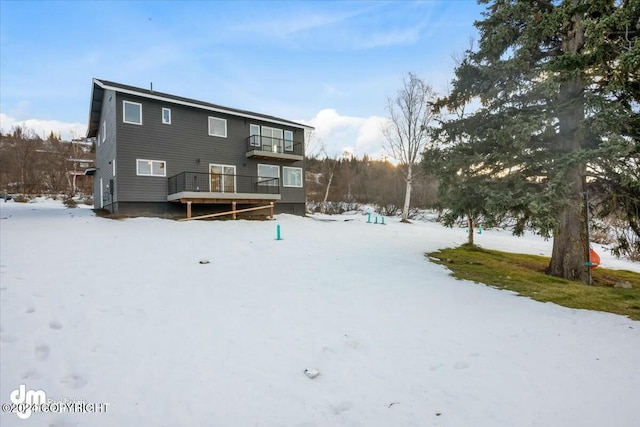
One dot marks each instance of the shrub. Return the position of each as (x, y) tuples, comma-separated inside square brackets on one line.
[(70, 202), (20, 198), (389, 209)]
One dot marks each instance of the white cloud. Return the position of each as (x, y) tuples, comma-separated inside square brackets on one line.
[(355, 135), (42, 128), (297, 21)]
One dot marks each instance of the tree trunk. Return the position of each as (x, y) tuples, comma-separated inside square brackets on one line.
[(570, 245), (323, 208), (407, 194), (570, 249), (73, 187), (470, 225)]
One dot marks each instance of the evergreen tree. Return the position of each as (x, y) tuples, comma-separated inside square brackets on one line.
[(464, 193), (555, 84)]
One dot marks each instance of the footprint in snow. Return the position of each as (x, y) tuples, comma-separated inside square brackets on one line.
[(32, 374), (461, 365), (54, 324), (8, 339), (73, 381), (30, 310), (41, 352), (341, 407)]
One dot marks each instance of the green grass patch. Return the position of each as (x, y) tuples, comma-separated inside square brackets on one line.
[(525, 275)]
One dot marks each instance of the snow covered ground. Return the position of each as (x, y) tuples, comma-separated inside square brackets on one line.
[(123, 312)]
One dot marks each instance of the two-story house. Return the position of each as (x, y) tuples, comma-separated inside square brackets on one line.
[(161, 154)]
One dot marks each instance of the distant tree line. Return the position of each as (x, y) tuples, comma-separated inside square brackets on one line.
[(30, 165), (334, 184)]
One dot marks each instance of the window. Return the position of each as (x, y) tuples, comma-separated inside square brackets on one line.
[(166, 116), (288, 140), (272, 139), (217, 127), (267, 173), (254, 135), (104, 131), (291, 177), (113, 164), (223, 178), (151, 167), (132, 112)]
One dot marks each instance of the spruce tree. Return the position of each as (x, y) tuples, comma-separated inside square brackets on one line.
[(554, 85)]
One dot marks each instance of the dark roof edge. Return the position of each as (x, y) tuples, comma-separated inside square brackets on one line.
[(146, 93), (91, 132)]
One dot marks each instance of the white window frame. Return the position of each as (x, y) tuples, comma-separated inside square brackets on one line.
[(113, 163), (225, 176), (288, 141), (163, 169), (260, 182), (275, 143), (104, 131), (124, 115), (284, 177), (224, 122), (166, 122), (255, 142)]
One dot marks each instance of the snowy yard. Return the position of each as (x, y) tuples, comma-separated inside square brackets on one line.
[(123, 312)]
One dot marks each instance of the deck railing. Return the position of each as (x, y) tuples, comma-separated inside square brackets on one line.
[(274, 145), (222, 183)]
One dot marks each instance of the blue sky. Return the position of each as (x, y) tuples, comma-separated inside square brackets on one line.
[(329, 64)]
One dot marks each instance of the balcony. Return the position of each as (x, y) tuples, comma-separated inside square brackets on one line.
[(264, 147), (199, 187)]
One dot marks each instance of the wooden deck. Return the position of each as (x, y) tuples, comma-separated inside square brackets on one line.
[(190, 197)]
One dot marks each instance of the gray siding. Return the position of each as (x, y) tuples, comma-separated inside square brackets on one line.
[(105, 152), (185, 145)]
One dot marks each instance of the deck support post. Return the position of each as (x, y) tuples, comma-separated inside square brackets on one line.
[(233, 208), (188, 209), (271, 211)]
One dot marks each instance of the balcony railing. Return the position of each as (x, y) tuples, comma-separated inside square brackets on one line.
[(274, 145), (222, 183)]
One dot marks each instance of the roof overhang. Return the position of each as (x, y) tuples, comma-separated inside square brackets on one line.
[(95, 108), (99, 87)]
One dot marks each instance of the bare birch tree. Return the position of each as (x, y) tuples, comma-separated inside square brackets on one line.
[(407, 134), (332, 162)]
